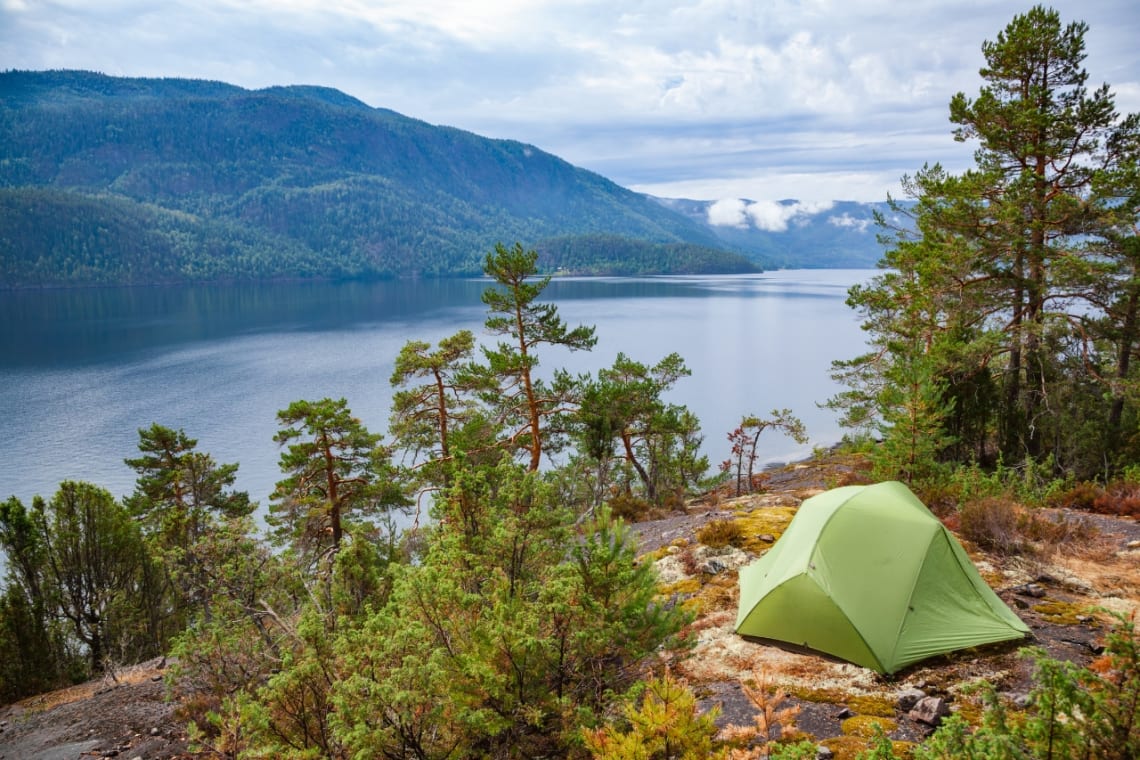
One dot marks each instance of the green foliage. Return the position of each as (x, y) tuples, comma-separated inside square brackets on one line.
[(666, 725), (1004, 323), (500, 642), (179, 487), (881, 747), (179, 495), (624, 424), (613, 255), (915, 409), (33, 655), (428, 420), (1075, 712), (522, 402), (234, 647), (80, 579), (337, 478)]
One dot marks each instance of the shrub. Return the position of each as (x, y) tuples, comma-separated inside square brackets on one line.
[(1120, 498), (667, 724), (991, 523), (1079, 496), (1091, 713), (720, 533), (628, 507)]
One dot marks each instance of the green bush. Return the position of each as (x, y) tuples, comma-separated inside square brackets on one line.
[(1092, 713)]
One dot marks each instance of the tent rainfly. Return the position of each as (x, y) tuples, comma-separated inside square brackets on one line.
[(869, 575)]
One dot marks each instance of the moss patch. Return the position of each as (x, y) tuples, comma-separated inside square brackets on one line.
[(864, 725), (883, 707), (1061, 613), (719, 593), (770, 521), (850, 747), (686, 587), (846, 747)]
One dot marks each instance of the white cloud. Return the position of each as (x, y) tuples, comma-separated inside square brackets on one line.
[(774, 216), (810, 99), (728, 212), (846, 220), (770, 216)]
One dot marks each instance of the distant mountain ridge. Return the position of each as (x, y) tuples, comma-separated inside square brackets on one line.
[(127, 180), (789, 234)]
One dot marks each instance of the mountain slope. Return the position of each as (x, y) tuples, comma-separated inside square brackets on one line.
[(793, 235), (107, 179)]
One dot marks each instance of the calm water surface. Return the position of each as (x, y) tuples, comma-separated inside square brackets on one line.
[(82, 371)]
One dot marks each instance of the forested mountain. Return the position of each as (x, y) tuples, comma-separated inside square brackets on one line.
[(106, 179)]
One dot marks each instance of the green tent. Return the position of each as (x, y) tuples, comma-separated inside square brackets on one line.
[(869, 575)]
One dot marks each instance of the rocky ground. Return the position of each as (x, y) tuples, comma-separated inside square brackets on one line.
[(1054, 591), (128, 717)]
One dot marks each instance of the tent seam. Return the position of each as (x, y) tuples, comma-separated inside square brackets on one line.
[(913, 586)]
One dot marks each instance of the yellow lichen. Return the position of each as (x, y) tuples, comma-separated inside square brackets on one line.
[(850, 747), (1061, 613), (768, 521), (880, 706), (719, 593), (684, 587), (846, 747), (864, 725)]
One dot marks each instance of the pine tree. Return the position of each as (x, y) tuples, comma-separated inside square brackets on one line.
[(523, 400)]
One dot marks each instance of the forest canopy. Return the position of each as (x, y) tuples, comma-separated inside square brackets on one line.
[(109, 180)]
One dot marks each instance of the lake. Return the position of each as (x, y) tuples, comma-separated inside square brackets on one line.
[(81, 371)]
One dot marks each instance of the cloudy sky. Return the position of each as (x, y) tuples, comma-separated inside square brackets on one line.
[(711, 99)]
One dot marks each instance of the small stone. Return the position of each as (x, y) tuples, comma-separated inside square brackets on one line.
[(823, 753), (1022, 701), (154, 731), (930, 710), (909, 698), (1084, 618), (713, 567), (845, 713), (1133, 545), (1031, 589), (769, 538)]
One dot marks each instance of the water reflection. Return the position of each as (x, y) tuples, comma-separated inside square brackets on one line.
[(82, 370)]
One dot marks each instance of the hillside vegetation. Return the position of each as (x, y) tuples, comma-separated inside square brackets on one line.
[(113, 180)]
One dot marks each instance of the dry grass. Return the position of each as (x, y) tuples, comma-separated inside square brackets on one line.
[(131, 675), (720, 533)]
